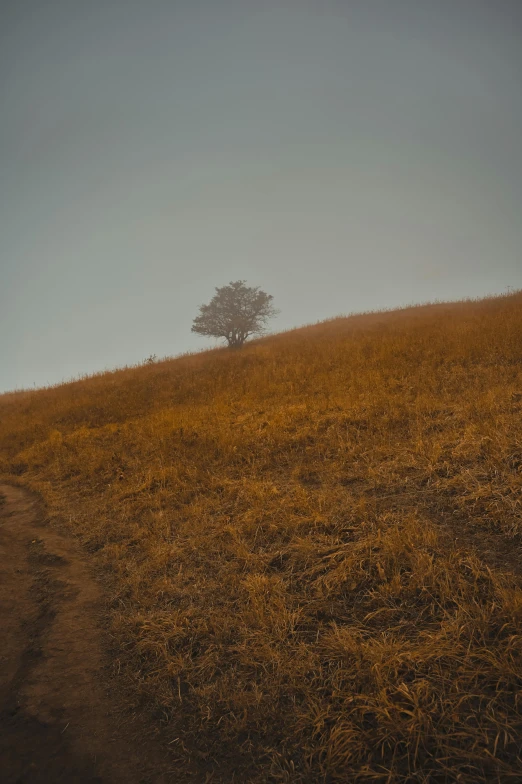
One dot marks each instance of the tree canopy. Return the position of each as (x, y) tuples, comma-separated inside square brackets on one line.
[(235, 312)]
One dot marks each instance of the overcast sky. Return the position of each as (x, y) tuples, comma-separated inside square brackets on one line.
[(344, 156)]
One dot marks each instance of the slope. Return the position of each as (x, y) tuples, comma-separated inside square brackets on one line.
[(312, 544)]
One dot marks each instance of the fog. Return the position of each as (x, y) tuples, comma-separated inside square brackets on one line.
[(344, 156)]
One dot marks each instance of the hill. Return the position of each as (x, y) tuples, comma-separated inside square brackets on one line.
[(313, 544)]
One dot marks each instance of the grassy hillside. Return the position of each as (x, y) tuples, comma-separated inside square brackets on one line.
[(313, 542)]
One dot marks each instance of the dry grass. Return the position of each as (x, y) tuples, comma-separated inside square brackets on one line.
[(313, 542)]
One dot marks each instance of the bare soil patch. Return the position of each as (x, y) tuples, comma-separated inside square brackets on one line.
[(61, 719)]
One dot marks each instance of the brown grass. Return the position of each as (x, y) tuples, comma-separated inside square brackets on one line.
[(314, 542)]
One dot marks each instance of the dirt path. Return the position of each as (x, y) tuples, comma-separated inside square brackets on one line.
[(60, 719)]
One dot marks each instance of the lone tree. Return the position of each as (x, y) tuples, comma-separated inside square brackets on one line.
[(235, 312)]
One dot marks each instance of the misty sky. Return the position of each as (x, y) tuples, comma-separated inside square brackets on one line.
[(344, 156)]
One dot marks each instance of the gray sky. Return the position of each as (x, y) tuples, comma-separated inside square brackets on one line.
[(343, 155)]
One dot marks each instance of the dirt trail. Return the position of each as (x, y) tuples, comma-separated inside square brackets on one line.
[(60, 719)]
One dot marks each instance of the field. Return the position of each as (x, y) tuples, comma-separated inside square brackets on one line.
[(312, 544)]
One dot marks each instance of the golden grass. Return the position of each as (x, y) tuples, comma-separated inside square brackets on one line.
[(312, 542)]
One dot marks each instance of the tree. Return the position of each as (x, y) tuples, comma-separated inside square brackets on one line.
[(235, 312)]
